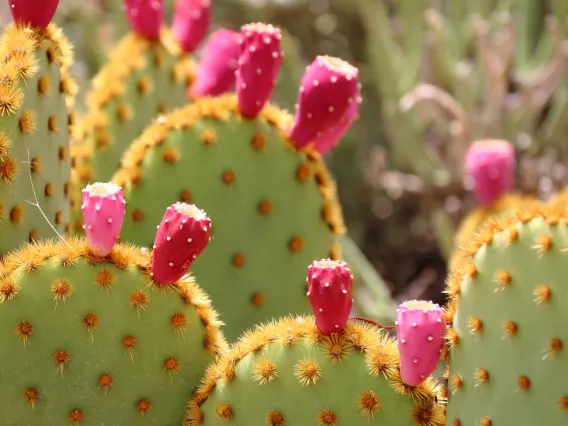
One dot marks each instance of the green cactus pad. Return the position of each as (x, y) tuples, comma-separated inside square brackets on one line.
[(507, 364), (141, 80), (288, 373), (273, 209), (88, 341), (36, 95)]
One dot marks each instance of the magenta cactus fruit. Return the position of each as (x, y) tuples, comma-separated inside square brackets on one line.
[(491, 166), (145, 17), (330, 290), (420, 328), (217, 65), (329, 138), (182, 236), (103, 213), (329, 88), (192, 19), (28, 12), (258, 66)]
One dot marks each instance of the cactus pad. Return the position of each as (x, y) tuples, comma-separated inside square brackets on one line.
[(273, 207), (90, 340), (508, 314), (36, 94), (288, 373), (142, 79)]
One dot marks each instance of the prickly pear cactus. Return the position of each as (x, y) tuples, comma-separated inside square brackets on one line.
[(508, 362), (36, 95), (266, 200), (90, 340), (289, 373), (474, 221)]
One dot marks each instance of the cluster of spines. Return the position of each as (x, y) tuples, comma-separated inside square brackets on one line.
[(551, 214), (221, 108), (380, 353), (19, 46), (122, 257)]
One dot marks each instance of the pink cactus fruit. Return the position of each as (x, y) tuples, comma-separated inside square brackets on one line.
[(182, 236), (258, 66), (217, 65), (491, 166), (328, 89), (145, 17), (191, 22), (420, 328), (329, 138), (330, 290), (103, 213), (28, 12)]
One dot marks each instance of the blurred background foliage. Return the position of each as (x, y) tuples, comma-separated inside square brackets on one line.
[(400, 205)]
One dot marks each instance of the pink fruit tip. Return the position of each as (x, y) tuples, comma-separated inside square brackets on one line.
[(182, 236), (330, 290), (491, 166), (325, 109), (145, 17), (420, 331), (28, 12), (103, 213), (192, 19), (258, 66), (217, 65)]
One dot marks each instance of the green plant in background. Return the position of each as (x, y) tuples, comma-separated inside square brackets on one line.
[(93, 334), (283, 372), (469, 72), (36, 97), (507, 314)]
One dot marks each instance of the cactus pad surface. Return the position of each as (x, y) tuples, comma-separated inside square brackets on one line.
[(508, 361), (90, 340)]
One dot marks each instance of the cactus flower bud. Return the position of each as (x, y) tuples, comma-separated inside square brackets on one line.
[(28, 12), (491, 166), (420, 331), (329, 138), (182, 236), (328, 89), (103, 213), (217, 65), (191, 22), (258, 66), (145, 17), (330, 288)]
